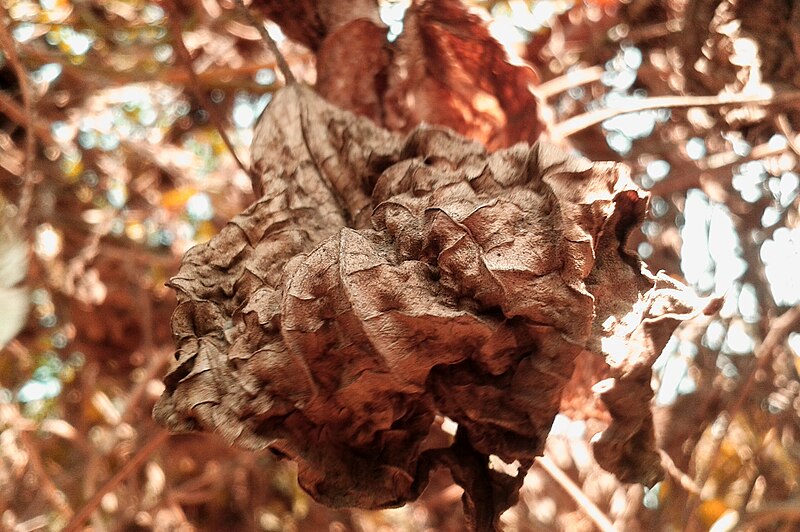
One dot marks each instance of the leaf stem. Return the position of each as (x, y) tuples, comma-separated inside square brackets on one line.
[(273, 46)]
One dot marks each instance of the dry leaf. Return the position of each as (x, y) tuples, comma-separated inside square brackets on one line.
[(444, 69), (448, 70), (352, 67), (383, 280), (309, 21)]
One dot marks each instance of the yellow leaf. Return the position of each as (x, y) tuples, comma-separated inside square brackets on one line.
[(205, 231), (711, 510), (176, 198)]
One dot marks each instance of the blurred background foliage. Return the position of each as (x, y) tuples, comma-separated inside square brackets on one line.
[(124, 136)]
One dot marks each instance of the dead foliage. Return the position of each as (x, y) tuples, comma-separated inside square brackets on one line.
[(382, 281)]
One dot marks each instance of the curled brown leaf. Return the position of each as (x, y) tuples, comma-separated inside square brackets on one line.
[(448, 70), (384, 280), (445, 68)]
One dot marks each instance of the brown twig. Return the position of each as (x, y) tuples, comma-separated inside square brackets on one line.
[(49, 488), (653, 31), (714, 167), (17, 114), (39, 522), (158, 357), (752, 470), (579, 123), (103, 77), (10, 51), (590, 509), (127, 470), (568, 81), (47, 485), (273, 47), (772, 514), (684, 480), (786, 130), (196, 88)]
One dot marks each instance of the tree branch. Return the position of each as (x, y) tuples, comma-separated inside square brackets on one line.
[(127, 470), (197, 90), (579, 123), (570, 80), (779, 330), (19, 116), (273, 47), (10, 51), (589, 508)]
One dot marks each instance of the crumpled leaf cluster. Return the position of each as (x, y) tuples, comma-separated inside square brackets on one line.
[(445, 68), (384, 280)]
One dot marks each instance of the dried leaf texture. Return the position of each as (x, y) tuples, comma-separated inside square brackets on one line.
[(630, 346), (445, 68), (309, 21), (449, 70), (383, 280)]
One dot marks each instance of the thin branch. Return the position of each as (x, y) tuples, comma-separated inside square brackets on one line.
[(590, 509), (273, 47), (653, 31), (17, 114), (197, 90), (48, 487), (583, 121), (127, 251), (714, 167), (771, 513), (158, 358), (786, 130), (684, 480), (39, 522), (127, 470), (104, 76), (779, 330), (23, 426), (568, 81), (752, 471), (10, 51)]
